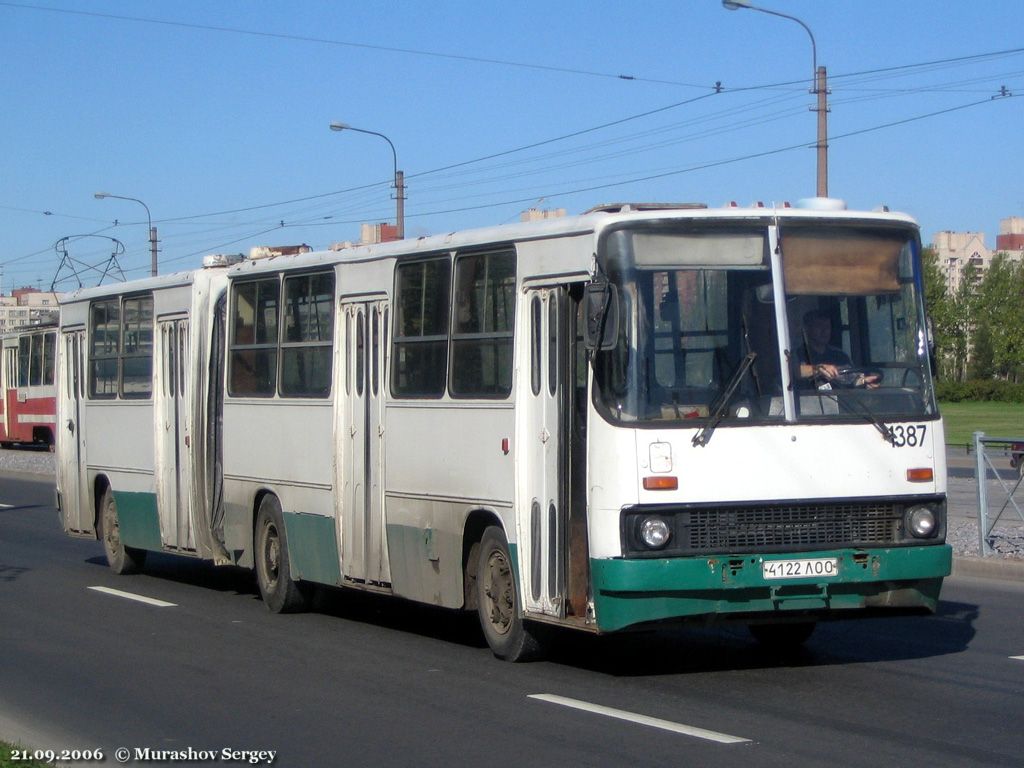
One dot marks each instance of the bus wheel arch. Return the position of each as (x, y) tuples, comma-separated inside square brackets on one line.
[(280, 593), (121, 559), (498, 602), (478, 521)]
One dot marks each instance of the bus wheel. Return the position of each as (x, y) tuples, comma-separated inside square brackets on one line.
[(273, 573), (498, 603), (782, 637), (120, 558)]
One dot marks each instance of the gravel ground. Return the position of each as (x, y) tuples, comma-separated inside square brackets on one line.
[(1007, 542), (27, 460), (962, 533)]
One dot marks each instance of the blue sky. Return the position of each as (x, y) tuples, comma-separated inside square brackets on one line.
[(216, 115)]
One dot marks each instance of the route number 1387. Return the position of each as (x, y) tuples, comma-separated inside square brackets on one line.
[(908, 435)]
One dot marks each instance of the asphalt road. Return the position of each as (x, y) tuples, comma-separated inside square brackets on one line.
[(373, 681)]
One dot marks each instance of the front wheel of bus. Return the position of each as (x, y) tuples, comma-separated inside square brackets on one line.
[(273, 572), (498, 604), (121, 559)]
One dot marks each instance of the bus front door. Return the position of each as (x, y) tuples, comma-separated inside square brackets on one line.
[(543, 437), (73, 480), (172, 447), (360, 431)]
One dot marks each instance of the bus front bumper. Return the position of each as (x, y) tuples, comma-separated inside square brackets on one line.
[(632, 592)]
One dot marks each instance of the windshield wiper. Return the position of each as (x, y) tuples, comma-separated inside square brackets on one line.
[(704, 433), (865, 413)]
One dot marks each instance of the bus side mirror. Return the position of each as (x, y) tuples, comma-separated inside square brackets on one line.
[(601, 313)]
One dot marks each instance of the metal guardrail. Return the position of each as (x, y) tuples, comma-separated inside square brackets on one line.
[(986, 522)]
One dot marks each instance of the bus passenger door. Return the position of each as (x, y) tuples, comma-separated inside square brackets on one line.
[(75, 499), (174, 477), (360, 430), (543, 438)]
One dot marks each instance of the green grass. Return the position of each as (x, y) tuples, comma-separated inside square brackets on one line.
[(7, 762), (994, 419)]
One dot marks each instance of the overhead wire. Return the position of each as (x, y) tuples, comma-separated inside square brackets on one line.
[(324, 209), (351, 44), (574, 134)]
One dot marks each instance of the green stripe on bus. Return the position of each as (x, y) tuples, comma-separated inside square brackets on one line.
[(628, 592), (312, 547), (137, 519)]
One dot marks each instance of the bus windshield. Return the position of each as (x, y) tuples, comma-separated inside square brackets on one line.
[(856, 322), (699, 328)]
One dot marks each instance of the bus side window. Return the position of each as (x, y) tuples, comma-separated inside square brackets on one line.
[(104, 343), (360, 366), (482, 326), (137, 347), (24, 359), (49, 357), (254, 321), (535, 345), (308, 335), (420, 360), (36, 366)]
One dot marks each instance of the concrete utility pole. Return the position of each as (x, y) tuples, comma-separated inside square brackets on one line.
[(399, 176), (149, 219), (819, 87)]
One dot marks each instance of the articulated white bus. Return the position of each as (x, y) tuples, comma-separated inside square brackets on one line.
[(642, 414)]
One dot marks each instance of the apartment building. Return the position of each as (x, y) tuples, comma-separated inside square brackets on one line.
[(26, 306), (959, 250)]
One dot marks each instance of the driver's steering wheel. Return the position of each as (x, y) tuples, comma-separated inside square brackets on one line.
[(852, 377)]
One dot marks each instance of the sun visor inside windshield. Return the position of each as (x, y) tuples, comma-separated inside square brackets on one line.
[(661, 250), (841, 265)]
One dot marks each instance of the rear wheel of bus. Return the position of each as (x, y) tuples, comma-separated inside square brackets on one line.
[(273, 571), (498, 603), (120, 558)]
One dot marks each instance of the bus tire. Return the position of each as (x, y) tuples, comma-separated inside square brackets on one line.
[(782, 637), (121, 559), (498, 604), (279, 591)]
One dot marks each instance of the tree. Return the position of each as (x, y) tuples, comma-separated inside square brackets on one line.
[(999, 308), (982, 361), (951, 316), (939, 307), (963, 308)]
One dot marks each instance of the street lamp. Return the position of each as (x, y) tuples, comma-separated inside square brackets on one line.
[(149, 218), (399, 175), (819, 81)]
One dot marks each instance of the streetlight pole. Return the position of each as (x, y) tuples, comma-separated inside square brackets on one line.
[(399, 175), (819, 87), (149, 219)]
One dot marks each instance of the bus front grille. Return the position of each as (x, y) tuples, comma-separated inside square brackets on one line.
[(792, 528), (777, 527)]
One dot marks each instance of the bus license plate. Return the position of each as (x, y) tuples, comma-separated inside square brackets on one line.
[(800, 569)]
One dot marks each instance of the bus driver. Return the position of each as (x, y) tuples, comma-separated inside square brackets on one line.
[(819, 358)]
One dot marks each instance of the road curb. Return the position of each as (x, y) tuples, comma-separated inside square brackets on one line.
[(29, 475), (989, 568)]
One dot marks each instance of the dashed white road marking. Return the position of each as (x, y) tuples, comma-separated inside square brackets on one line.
[(653, 722), (136, 598), (1017, 658), (6, 506)]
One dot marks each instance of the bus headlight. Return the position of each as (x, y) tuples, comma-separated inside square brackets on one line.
[(654, 532), (921, 522)]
